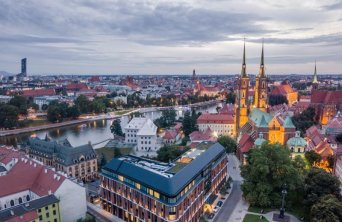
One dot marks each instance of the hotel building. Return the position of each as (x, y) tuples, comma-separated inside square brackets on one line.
[(138, 189)]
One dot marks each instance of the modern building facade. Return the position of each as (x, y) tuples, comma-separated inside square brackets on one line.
[(78, 162), (139, 189)]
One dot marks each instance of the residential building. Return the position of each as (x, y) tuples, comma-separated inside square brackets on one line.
[(138, 189), (202, 136), (27, 179), (285, 89), (142, 132), (79, 162), (171, 137), (43, 209), (219, 123)]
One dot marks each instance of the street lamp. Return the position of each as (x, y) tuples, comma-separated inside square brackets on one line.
[(282, 209)]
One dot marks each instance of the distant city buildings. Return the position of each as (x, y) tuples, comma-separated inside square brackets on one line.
[(27, 186), (78, 162), (139, 189)]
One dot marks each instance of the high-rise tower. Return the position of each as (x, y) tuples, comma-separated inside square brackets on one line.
[(242, 107), (23, 67), (260, 93), (315, 79)]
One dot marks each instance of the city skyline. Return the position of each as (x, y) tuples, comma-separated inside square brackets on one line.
[(150, 37)]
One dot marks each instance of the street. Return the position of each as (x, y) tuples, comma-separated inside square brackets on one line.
[(229, 211)]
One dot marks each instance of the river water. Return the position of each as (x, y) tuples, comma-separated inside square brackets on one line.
[(94, 131)]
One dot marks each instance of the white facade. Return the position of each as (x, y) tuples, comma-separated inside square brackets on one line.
[(17, 198), (219, 129), (143, 132), (73, 204)]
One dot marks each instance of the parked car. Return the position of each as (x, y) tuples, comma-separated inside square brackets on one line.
[(219, 203)]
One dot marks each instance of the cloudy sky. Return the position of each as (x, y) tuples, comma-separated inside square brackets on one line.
[(170, 37)]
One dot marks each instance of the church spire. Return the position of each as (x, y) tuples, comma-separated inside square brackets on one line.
[(262, 64), (243, 70), (315, 75)]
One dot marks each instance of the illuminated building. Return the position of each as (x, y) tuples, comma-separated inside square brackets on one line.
[(260, 92), (138, 189), (219, 123)]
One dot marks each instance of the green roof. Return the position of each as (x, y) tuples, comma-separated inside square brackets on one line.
[(259, 141), (288, 123), (260, 118), (296, 141)]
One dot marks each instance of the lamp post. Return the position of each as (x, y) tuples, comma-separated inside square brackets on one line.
[(282, 209)]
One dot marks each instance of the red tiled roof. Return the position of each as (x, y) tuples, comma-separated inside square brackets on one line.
[(227, 109), (25, 176), (170, 134), (26, 217), (76, 86), (246, 143), (215, 118), (39, 92), (326, 96), (202, 136), (282, 89), (335, 123), (6, 155), (324, 149)]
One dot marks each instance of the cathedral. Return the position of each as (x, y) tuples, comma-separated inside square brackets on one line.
[(252, 119)]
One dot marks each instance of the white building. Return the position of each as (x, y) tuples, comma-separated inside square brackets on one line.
[(143, 132), (24, 179)]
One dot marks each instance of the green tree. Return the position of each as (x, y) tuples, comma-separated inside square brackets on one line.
[(312, 157), (305, 120), (228, 143), (54, 114), (167, 118), (21, 102), (73, 112), (268, 169), (97, 106), (115, 128), (299, 164), (319, 183), (8, 116), (231, 98), (277, 99), (168, 153), (83, 104), (328, 209), (189, 123)]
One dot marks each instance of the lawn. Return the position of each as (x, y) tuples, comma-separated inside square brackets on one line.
[(258, 210), (252, 218)]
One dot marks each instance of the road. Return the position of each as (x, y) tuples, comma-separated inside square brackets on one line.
[(235, 196)]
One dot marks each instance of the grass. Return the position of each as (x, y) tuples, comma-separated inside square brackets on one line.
[(252, 218), (258, 209)]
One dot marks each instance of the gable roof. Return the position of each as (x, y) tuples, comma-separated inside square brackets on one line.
[(214, 118)]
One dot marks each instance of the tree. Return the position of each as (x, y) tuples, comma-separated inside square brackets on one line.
[(268, 169), (277, 99), (189, 123), (73, 112), (168, 153), (328, 209), (228, 143), (319, 183), (299, 164), (54, 114), (115, 128), (312, 157), (83, 104), (117, 152), (305, 120), (8, 116), (21, 102), (231, 98), (167, 119)]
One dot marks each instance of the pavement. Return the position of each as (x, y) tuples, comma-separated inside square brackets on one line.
[(234, 208)]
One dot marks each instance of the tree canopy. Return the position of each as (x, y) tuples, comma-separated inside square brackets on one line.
[(167, 118), (189, 123), (228, 143), (269, 168), (8, 116), (305, 120), (312, 157), (168, 153), (327, 209), (277, 99), (115, 128)]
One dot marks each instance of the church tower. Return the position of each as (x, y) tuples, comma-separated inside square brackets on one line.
[(315, 80), (242, 107), (260, 92)]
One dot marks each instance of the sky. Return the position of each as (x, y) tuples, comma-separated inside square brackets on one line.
[(170, 36)]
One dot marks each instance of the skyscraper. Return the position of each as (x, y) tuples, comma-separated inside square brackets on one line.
[(23, 67)]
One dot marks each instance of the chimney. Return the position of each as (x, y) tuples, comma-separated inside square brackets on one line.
[(89, 142), (45, 170), (12, 212), (34, 165), (54, 176), (30, 162), (50, 192)]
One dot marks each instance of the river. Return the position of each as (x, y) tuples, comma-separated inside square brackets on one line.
[(94, 131)]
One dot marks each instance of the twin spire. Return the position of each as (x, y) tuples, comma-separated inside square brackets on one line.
[(262, 65), (315, 80)]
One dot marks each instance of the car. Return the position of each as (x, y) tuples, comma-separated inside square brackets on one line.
[(215, 209), (211, 216), (219, 204)]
